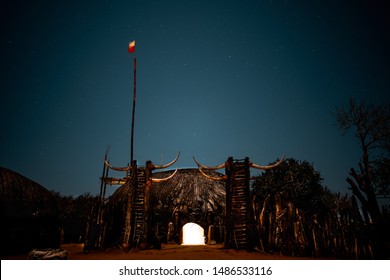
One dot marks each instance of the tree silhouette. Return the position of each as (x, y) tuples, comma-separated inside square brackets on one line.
[(371, 124)]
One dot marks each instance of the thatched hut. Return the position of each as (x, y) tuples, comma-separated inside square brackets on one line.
[(29, 214), (187, 197)]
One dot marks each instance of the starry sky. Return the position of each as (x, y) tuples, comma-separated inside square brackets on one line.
[(215, 79)]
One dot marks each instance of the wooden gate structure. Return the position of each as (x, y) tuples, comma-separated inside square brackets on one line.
[(137, 210), (238, 221)]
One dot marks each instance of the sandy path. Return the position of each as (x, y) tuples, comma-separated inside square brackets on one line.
[(167, 252), (171, 252)]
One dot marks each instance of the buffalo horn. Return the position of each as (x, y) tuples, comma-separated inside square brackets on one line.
[(209, 167), (117, 168), (267, 167), (156, 180), (211, 177), (168, 164)]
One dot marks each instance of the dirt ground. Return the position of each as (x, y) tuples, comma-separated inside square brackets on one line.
[(167, 252), (172, 252)]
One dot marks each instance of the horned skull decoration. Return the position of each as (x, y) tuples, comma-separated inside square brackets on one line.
[(202, 167)]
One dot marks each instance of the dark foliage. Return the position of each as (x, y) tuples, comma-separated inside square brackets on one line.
[(74, 214), (299, 181), (381, 176)]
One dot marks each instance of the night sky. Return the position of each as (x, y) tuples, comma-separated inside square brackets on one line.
[(215, 79)]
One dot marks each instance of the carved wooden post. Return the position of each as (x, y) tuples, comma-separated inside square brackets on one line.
[(228, 214), (147, 191), (178, 228), (238, 219), (211, 235), (249, 224), (128, 231), (171, 232)]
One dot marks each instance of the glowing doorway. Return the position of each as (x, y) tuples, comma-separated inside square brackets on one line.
[(193, 234)]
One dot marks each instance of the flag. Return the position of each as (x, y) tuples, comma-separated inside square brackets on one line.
[(131, 47)]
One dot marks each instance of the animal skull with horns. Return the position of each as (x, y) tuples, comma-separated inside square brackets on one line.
[(150, 166), (224, 165)]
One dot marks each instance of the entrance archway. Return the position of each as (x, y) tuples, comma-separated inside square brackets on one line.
[(193, 234)]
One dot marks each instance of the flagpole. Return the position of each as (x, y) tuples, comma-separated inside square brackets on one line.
[(133, 114)]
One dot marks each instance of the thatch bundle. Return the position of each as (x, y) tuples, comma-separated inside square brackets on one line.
[(28, 213), (188, 194), (191, 194)]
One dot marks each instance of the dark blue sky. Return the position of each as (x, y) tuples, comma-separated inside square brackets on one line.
[(214, 79)]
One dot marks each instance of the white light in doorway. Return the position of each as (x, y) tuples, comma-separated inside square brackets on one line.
[(193, 234)]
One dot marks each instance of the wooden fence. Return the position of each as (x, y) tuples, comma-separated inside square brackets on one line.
[(341, 233)]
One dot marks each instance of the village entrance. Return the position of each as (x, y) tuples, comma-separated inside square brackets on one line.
[(145, 209)]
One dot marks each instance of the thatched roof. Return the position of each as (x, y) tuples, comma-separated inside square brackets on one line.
[(189, 188), (21, 197), (28, 213)]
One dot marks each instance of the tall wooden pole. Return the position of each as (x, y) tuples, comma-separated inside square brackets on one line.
[(133, 114)]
